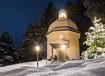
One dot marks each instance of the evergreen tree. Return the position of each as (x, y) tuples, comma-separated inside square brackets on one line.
[(8, 53), (95, 41), (35, 34), (6, 38), (31, 39), (77, 12), (95, 8), (26, 49), (49, 16)]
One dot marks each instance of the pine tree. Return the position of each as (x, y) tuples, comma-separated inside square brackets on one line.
[(95, 8), (7, 50), (35, 34), (6, 38), (95, 40), (31, 39), (26, 49), (49, 16)]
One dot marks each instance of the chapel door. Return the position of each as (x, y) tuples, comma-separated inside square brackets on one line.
[(61, 55)]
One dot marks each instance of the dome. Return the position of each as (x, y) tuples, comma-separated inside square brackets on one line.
[(62, 24)]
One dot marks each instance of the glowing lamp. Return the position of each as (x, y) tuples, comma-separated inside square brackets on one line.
[(37, 48)]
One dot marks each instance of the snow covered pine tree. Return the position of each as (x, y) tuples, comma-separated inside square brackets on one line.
[(95, 40)]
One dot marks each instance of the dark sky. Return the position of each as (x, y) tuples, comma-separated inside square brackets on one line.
[(16, 15)]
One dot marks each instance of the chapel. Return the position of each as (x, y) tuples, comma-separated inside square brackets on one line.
[(63, 39)]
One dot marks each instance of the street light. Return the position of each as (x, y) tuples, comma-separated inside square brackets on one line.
[(37, 48)]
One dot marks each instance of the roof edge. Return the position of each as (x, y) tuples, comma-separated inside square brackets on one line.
[(63, 29)]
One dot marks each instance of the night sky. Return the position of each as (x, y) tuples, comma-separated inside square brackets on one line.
[(16, 15)]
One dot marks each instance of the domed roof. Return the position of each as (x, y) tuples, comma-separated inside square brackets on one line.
[(62, 24)]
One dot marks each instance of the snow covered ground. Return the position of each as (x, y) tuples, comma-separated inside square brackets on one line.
[(91, 67)]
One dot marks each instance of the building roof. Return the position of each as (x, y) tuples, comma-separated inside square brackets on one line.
[(62, 24)]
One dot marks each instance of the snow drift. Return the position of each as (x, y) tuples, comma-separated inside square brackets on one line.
[(92, 67)]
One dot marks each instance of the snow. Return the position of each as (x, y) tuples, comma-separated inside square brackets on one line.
[(90, 67), (27, 64)]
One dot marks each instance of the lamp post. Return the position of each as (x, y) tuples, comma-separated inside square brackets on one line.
[(37, 48)]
